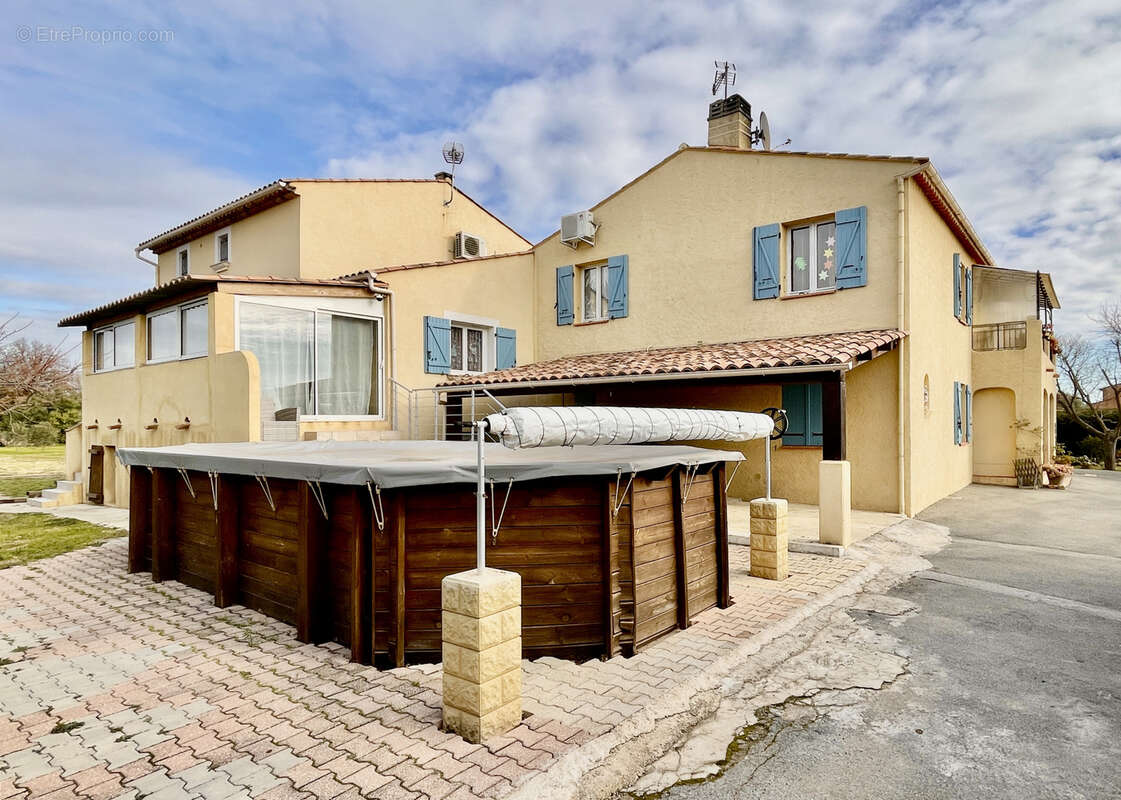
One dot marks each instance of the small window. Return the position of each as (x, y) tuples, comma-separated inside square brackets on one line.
[(595, 299), (926, 394), (222, 246), (183, 261), (466, 349), (812, 261), (114, 347)]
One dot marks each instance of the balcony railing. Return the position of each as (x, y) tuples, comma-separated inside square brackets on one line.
[(1001, 336)]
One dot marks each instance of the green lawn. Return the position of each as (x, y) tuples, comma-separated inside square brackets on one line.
[(29, 537), (24, 469)]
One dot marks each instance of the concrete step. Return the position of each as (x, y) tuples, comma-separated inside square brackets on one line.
[(59, 495), (70, 486), (41, 502)]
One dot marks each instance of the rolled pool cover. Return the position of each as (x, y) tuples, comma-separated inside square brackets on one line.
[(567, 426)]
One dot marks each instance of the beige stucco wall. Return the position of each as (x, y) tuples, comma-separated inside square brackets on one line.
[(687, 229), (1030, 375), (267, 243), (219, 393), (348, 226), (496, 289), (938, 347)]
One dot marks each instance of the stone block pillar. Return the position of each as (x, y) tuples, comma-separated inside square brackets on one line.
[(770, 536), (482, 637), (834, 503)]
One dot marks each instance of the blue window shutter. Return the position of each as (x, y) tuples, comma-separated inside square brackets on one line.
[(814, 429), (765, 260), (957, 285), (506, 350), (565, 314), (968, 414), (957, 413), (794, 404), (969, 296), (617, 305), (437, 345), (852, 247)]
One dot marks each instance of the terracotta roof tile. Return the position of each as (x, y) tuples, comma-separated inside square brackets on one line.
[(789, 351)]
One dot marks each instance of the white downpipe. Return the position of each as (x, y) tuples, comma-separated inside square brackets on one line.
[(480, 497), (901, 266), (155, 265)]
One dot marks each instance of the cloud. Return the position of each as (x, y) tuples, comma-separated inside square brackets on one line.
[(557, 104)]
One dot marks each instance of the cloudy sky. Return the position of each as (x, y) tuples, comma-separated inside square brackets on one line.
[(119, 121)]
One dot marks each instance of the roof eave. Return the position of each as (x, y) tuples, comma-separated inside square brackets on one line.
[(217, 217)]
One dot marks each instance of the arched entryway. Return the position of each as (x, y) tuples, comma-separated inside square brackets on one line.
[(994, 433)]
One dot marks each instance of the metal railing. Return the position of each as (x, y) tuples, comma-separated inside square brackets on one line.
[(1001, 336)]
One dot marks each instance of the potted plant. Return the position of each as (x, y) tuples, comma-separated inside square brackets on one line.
[(1058, 475)]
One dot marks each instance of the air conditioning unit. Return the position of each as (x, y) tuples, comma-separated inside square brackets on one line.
[(579, 227), (468, 246)]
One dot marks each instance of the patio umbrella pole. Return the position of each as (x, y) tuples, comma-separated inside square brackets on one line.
[(480, 498)]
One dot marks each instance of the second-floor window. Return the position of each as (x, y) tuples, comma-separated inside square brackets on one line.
[(114, 347), (812, 258), (222, 246), (466, 349), (593, 279), (183, 261), (178, 332)]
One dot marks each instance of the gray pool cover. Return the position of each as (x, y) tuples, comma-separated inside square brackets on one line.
[(415, 463)]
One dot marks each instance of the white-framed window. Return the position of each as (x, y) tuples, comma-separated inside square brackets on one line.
[(322, 362), (114, 347), (177, 332), (222, 251), (593, 280), (183, 260), (811, 258), (468, 348)]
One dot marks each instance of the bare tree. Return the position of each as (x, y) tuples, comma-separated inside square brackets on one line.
[(29, 369), (1084, 364)]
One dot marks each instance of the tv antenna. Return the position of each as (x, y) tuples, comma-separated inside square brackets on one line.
[(453, 154), (725, 76)]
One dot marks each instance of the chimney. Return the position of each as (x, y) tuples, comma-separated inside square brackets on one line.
[(729, 123), (446, 177)]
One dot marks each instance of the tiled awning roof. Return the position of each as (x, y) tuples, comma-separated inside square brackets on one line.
[(813, 352), (201, 285)]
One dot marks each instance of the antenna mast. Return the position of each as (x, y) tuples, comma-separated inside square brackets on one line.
[(453, 154), (725, 76)]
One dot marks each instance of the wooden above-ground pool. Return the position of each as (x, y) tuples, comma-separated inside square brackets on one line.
[(349, 541)]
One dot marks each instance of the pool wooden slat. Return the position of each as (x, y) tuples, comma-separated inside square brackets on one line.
[(605, 568)]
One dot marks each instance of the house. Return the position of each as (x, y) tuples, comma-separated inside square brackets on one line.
[(849, 290), (1109, 401), (838, 287), (250, 334)]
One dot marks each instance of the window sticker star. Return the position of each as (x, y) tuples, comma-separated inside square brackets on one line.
[(830, 241), (822, 275), (800, 263), (828, 264), (828, 252)]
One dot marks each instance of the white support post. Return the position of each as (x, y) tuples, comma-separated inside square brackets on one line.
[(767, 451), (480, 498)]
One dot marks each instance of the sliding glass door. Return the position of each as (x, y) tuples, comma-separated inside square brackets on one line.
[(318, 362)]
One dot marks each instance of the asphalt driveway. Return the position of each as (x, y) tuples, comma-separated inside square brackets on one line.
[(1013, 688)]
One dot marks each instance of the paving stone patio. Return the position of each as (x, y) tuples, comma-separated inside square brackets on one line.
[(114, 686)]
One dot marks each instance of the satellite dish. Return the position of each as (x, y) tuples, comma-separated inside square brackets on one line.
[(453, 153), (764, 132)]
